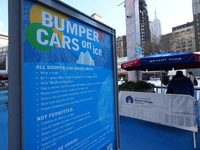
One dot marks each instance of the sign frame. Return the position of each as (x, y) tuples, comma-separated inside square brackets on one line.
[(16, 66)]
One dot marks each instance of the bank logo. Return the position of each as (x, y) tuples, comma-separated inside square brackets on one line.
[(129, 99)]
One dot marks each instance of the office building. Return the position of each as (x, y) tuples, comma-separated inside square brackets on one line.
[(152, 32), (121, 47), (166, 42), (97, 17), (196, 17), (3, 40), (184, 38), (3, 54)]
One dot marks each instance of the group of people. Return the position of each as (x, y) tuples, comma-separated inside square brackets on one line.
[(179, 84)]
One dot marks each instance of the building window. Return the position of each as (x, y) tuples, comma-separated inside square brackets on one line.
[(177, 34), (189, 31), (183, 38)]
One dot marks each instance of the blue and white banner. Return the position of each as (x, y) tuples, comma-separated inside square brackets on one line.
[(167, 109)]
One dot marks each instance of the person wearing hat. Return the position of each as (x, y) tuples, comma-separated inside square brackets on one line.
[(180, 84)]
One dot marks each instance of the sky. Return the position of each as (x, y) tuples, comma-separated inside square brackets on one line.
[(112, 14), (171, 13)]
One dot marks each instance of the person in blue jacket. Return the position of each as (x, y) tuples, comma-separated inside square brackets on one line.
[(181, 84)]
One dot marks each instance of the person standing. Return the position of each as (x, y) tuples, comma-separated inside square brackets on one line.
[(194, 81), (181, 84), (191, 77), (165, 78)]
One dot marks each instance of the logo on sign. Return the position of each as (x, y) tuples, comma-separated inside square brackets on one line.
[(50, 29), (129, 99), (138, 50)]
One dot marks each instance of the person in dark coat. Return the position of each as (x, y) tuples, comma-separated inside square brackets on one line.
[(165, 78), (180, 84)]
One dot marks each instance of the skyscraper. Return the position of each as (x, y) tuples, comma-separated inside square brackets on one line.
[(157, 28), (145, 35), (153, 37), (196, 17), (132, 34)]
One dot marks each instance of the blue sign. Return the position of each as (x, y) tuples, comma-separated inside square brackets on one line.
[(138, 50), (68, 82)]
